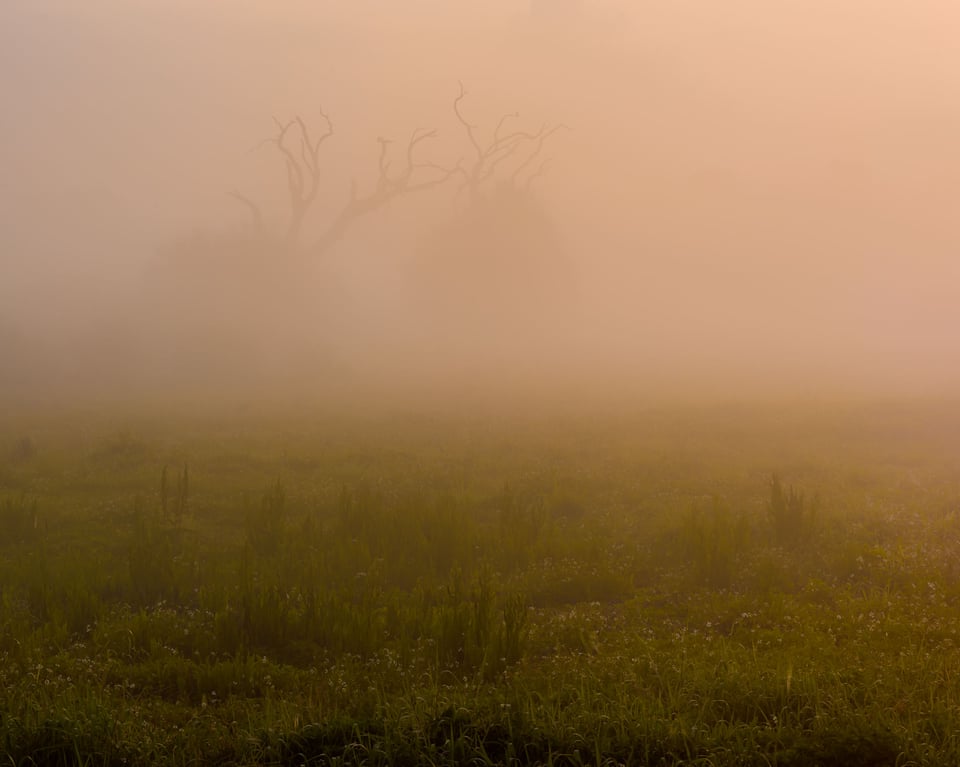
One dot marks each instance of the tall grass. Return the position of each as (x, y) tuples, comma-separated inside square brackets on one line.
[(605, 602)]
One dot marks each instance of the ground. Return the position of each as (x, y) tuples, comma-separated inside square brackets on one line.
[(449, 590)]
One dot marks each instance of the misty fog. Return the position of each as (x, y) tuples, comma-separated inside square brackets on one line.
[(740, 198)]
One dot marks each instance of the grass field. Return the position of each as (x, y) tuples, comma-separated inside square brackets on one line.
[(712, 586)]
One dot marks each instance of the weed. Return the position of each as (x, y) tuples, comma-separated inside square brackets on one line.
[(790, 515), (408, 610)]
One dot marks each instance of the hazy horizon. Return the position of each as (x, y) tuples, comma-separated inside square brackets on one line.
[(751, 200)]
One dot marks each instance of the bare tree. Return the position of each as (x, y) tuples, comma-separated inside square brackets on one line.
[(501, 250), (412, 177), (520, 150), (497, 270), (514, 156), (300, 153), (303, 170), (518, 153)]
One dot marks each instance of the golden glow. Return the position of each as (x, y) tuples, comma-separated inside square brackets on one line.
[(752, 198)]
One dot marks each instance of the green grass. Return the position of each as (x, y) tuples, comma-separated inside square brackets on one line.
[(709, 587)]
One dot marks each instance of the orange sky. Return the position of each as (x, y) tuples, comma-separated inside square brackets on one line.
[(742, 179)]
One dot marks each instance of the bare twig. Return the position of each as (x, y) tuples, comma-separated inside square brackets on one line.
[(501, 149), (303, 168), (467, 126), (388, 187), (256, 216), (518, 171)]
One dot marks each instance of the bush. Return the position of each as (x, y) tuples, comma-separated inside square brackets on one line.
[(23, 450), (791, 517)]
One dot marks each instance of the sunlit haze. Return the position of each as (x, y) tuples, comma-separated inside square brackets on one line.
[(698, 199)]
